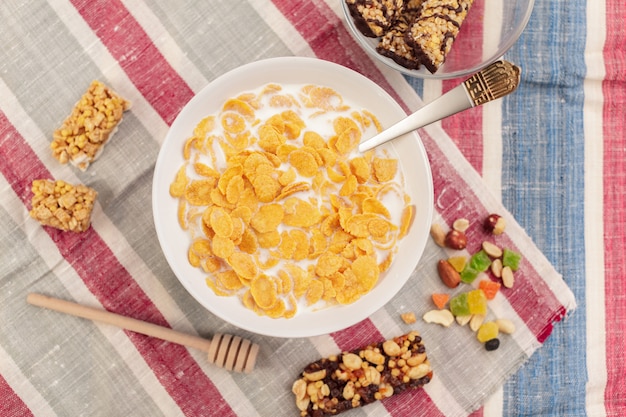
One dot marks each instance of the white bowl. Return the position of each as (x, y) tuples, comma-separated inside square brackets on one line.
[(354, 88), (502, 23)]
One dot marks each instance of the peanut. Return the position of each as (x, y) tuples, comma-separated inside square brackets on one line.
[(507, 277), (496, 268), (492, 250), (461, 225), (506, 326)]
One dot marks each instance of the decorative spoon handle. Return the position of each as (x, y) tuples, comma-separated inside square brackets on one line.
[(495, 81)]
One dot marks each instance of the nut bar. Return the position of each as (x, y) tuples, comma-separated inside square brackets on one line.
[(374, 17), (62, 205), (434, 30), (393, 43), (92, 122), (349, 380)]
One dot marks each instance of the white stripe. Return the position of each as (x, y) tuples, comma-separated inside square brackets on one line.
[(492, 147), (18, 381), (120, 247), (594, 209), (325, 345), (492, 153), (117, 78)]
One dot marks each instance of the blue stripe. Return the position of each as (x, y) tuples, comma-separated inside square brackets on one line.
[(543, 186)]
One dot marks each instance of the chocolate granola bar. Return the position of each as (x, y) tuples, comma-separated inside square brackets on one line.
[(434, 30), (374, 17), (349, 380), (393, 43)]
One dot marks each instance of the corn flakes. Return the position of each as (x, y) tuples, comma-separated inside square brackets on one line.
[(280, 212)]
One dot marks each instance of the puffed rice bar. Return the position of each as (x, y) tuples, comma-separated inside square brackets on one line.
[(61, 205), (434, 30), (339, 383), (374, 17), (92, 122)]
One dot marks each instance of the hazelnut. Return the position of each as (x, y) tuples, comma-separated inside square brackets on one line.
[(456, 240), (495, 224)]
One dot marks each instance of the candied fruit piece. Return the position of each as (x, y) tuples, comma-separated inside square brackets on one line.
[(468, 274), (480, 261), (487, 331), (440, 300), (477, 302), (490, 288), (459, 305), (458, 262), (511, 259)]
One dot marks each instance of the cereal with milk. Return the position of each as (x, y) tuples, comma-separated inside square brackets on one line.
[(281, 208)]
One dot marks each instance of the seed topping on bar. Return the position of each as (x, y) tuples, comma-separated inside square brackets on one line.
[(62, 205), (92, 122), (349, 380)]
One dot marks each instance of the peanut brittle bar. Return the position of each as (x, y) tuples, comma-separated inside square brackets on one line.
[(61, 205), (434, 30), (374, 17), (339, 383), (92, 122)]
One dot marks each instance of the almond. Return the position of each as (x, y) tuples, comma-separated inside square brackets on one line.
[(449, 276)]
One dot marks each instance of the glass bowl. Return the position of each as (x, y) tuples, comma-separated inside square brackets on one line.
[(489, 30)]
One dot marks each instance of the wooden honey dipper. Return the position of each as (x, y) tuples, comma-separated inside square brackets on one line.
[(229, 352)]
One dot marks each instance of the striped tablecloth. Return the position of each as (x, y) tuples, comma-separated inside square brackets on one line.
[(550, 158)]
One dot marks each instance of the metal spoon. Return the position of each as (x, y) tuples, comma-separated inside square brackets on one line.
[(495, 81)]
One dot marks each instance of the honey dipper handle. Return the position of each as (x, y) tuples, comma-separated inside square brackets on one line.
[(128, 323), (226, 351)]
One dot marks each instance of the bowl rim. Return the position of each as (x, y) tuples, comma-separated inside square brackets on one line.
[(424, 73), (326, 320)]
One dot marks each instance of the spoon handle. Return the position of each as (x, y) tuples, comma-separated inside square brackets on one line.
[(495, 81)]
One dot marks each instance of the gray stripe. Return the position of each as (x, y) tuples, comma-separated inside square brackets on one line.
[(194, 26)]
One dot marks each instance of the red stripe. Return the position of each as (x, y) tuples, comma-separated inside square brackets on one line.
[(530, 297), (328, 38), (131, 47), (353, 337), (11, 405), (614, 126), (112, 285), (465, 128)]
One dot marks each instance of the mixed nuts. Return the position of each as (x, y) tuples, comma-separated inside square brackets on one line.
[(470, 307)]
